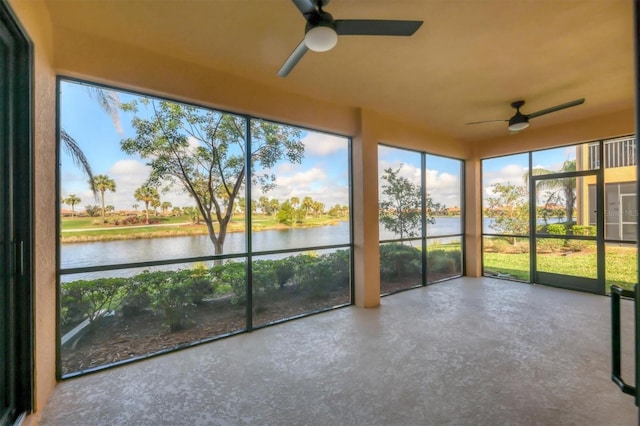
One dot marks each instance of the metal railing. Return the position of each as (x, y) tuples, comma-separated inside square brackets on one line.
[(617, 153)]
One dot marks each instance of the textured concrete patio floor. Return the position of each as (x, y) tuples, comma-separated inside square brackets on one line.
[(463, 352)]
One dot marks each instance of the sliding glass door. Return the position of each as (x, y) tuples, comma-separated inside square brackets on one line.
[(15, 221), (566, 254)]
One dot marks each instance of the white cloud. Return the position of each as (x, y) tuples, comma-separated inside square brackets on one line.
[(129, 175), (444, 188), (512, 173), (304, 178), (322, 144), (407, 171), (293, 181)]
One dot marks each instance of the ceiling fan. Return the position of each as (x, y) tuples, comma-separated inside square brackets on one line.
[(520, 121), (322, 31)]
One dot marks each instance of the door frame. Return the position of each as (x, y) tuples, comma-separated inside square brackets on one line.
[(590, 285), (17, 201)]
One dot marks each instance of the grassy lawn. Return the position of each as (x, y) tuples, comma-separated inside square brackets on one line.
[(68, 223), (620, 265)]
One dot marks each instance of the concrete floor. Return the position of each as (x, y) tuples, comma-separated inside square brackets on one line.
[(464, 352)]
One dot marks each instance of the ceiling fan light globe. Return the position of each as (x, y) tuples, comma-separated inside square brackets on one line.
[(516, 127), (321, 38)]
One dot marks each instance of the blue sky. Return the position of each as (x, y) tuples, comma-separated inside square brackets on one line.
[(322, 174), (512, 168)]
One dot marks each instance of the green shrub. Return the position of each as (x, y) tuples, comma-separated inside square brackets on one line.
[(398, 260), (508, 245), (136, 299), (285, 270), (315, 275), (198, 283), (91, 298), (264, 280), (582, 230), (170, 296), (231, 277), (341, 263), (585, 230), (557, 229), (444, 261)]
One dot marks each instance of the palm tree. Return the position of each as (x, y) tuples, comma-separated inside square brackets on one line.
[(147, 195), (165, 206), (565, 186), (103, 183), (155, 204), (274, 204), (109, 102), (135, 207), (72, 200), (75, 152), (307, 204), (264, 204), (318, 208)]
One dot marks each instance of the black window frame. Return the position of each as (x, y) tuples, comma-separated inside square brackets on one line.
[(247, 255)]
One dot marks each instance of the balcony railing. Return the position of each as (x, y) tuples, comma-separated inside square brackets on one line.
[(619, 152)]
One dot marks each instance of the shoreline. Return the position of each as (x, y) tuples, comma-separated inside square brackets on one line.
[(173, 232)]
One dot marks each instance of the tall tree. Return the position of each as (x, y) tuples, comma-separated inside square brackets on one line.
[(400, 208), (204, 152), (72, 200), (103, 183), (509, 209), (286, 213), (147, 195), (401, 205), (263, 201), (274, 205), (165, 206), (307, 204), (318, 208), (155, 204)]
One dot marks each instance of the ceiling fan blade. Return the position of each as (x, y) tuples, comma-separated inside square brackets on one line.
[(305, 6), (487, 121), (376, 27), (293, 59), (555, 108)]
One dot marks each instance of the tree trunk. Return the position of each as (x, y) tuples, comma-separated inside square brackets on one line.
[(104, 219), (146, 213)]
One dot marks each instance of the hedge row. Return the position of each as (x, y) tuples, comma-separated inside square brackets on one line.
[(174, 294)]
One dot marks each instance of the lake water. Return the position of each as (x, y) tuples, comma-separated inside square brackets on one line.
[(78, 255)]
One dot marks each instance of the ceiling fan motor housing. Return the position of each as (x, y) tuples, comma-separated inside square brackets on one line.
[(518, 122)]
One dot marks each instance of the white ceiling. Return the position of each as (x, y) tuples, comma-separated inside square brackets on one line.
[(468, 61)]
